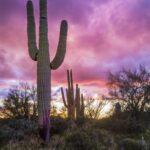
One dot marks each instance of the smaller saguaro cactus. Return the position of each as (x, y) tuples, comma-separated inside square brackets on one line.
[(70, 102), (74, 101)]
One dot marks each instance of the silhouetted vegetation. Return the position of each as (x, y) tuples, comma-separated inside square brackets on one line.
[(126, 127), (21, 102), (92, 134), (131, 87), (94, 108)]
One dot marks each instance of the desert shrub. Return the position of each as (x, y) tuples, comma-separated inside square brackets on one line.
[(5, 135), (147, 135), (78, 140), (120, 125), (94, 108), (58, 125), (131, 144), (83, 138), (16, 129), (80, 121), (20, 102), (29, 143), (126, 126), (57, 142), (9, 134), (29, 127), (132, 87)]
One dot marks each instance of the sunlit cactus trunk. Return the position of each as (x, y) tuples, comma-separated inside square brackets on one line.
[(41, 55), (77, 99), (43, 93)]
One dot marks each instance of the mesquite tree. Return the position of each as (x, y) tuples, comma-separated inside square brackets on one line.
[(132, 87), (74, 101), (41, 55), (21, 102)]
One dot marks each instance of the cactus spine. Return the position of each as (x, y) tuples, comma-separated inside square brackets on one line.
[(74, 102), (41, 55)]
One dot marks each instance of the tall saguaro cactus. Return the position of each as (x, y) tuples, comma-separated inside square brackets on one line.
[(41, 55), (74, 102)]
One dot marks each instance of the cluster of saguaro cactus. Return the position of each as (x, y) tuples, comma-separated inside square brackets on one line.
[(44, 66), (74, 101)]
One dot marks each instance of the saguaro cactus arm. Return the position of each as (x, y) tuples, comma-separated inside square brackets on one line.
[(77, 94), (63, 97), (71, 79), (71, 83), (68, 80), (82, 109), (32, 47), (43, 29), (70, 88), (61, 49), (82, 102)]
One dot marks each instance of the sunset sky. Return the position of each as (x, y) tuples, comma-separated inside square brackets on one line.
[(104, 35)]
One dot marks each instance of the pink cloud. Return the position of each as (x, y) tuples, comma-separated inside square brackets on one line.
[(103, 35)]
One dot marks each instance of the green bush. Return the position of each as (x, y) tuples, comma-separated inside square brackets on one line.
[(131, 144), (27, 126), (57, 142), (58, 125), (88, 139), (78, 140), (65, 135), (10, 134), (80, 121), (29, 143), (120, 125), (5, 135), (16, 129)]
